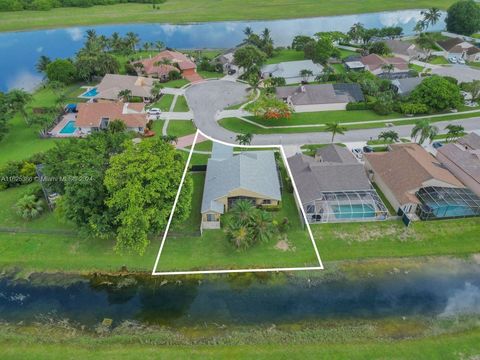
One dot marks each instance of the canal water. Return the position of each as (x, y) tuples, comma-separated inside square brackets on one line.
[(243, 300), (19, 51)]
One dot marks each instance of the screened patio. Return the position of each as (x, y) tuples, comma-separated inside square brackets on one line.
[(348, 206), (445, 202)]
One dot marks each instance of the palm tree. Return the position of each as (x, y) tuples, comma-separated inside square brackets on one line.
[(132, 40), (262, 225), (420, 26), (335, 128), (243, 211), (42, 63), (239, 235), (124, 95), (244, 139), (423, 130), (254, 82), (29, 207), (146, 46), (91, 35), (156, 90), (431, 16), (159, 45), (454, 132), (17, 99), (388, 68), (389, 136), (248, 31), (325, 75), (170, 139), (305, 74), (115, 42), (356, 31)]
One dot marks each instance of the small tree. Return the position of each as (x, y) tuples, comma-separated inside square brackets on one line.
[(125, 95), (244, 139), (117, 126), (269, 107), (29, 207), (305, 74), (454, 132), (335, 128), (379, 47), (423, 130), (389, 136), (61, 70)]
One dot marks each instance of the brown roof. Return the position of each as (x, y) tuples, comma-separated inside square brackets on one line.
[(406, 168), (91, 114), (450, 43), (175, 57), (467, 160), (472, 140), (374, 61), (112, 84), (473, 50)]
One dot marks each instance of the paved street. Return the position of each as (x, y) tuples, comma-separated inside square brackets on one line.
[(206, 99)]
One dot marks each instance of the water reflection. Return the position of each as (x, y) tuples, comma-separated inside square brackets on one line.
[(23, 48)]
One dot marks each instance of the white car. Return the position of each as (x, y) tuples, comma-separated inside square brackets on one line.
[(452, 59), (358, 153), (461, 61), (154, 111)]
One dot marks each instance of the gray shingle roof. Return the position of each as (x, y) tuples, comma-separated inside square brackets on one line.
[(406, 85), (320, 94), (466, 160), (254, 171), (291, 69), (313, 178), (336, 154)]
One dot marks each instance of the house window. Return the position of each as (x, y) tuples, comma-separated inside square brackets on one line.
[(211, 217), (266, 202), (310, 209)]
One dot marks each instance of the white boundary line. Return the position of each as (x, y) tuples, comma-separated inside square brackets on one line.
[(227, 271)]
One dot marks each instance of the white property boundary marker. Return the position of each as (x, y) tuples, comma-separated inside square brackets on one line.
[(228, 271)]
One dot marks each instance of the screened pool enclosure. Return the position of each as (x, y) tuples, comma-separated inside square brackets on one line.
[(346, 206), (445, 202)]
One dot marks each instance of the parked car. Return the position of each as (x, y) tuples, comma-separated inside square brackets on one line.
[(154, 111), (231, 71), (461, 61), (452, 59), (358, 153), (367, 149), (437, 144)]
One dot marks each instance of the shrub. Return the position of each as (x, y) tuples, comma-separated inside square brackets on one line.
[(413, 108), (61, 70), (29, 207), (174, 75)]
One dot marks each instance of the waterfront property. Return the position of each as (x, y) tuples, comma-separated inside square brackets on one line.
[(96, 116), (162, 64), (323, 97), (463, 160), (333, 187), (405, 49), (250, 175), (291, 71), (459, 49), (112, 84), (385, 66), (406, 174)]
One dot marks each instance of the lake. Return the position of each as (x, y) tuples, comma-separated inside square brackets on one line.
[(21, 50), (244, 300)]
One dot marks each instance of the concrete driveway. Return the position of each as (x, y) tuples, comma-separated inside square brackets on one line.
[(207, 98), (462, 73)]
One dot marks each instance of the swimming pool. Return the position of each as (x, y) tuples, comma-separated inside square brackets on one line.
[(90, 93), (69, 128), (354, 211)]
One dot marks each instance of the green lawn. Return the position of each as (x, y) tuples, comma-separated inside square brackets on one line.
[(181, 104), (393, 239), (176, 83), (286, 55), (164, 102), (181, 128), (192, 224), (188, 11), (203, 146), (415, 67), (346, 53), (310, 149), (339, 68), (438, 60), (210, 74)]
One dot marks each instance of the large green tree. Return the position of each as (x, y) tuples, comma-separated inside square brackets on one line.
[(463, 17), (142, 183), (61, 70), (437, 93), (250, 58), (77, 169)]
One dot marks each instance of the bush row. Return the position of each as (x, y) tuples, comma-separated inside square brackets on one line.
[(19, 5)]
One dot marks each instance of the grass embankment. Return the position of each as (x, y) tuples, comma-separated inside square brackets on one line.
[(186, 11), (164, 102)]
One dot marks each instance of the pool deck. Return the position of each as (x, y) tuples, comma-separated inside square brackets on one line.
[(55, 132), (87, 89)]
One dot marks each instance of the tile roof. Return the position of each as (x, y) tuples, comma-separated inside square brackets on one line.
[(112, 84), (320, 94), (91, 114), (175, 57), (374, 62), (467, 161), (450, 43), (335, 154), (291, 69), (254, 171), (406, 168), (472, 140), (314, 177), (399, 46)]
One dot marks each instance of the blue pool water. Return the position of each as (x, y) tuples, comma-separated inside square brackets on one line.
[(453, 211), (90, 93), (69, 128), (354, 211)]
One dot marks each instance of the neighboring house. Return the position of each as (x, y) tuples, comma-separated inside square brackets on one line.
[(290, 71), (463, 160), (405, 86), (406, 173), (334, 186), (112, 84), (250, 175), (323, 97), (226, 59), (459, 48), (95, 116), (167, 60), (405, 49), (354, 65), (377, 64)]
